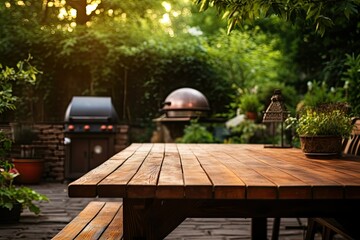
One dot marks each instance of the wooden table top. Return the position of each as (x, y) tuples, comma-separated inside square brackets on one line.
[(219, 171)]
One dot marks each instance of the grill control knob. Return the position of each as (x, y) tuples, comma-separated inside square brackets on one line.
[(86, 127)]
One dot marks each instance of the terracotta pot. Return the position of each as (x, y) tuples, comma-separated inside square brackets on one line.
[(251, 115), (321, 146), (30, 170)]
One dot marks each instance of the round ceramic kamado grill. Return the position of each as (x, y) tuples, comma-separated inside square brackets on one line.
[(185, 102)]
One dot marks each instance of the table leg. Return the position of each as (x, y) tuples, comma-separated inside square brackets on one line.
[(133, 219), (259, 228), (152, 219)]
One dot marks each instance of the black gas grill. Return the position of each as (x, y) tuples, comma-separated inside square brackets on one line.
[(90, 115), (90, 130)]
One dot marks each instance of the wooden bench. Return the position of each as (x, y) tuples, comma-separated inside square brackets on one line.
[(347, 228), (351, 146), (98, 220)]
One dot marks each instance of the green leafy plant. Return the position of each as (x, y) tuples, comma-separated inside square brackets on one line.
[(24, 136), (10, 195), (250, 103), (245, 132), (24, 73), (196, 133), (5, 144), (351, 77), (327, 119), (320, 94), (318, 13)]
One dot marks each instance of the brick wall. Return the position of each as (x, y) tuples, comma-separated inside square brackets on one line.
[(51, 138)]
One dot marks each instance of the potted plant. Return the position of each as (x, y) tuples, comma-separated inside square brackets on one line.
[(13, 199), (23, 74), (322, 129), (28, 161), (250, 105)]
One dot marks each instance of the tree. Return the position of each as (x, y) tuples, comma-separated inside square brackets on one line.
[(319, 13)]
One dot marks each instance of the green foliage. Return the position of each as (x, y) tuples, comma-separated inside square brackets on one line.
[(5, 145), (328, 119), (247, 132), (196, 133), (24, 134), (321, 14), (319, 94), (249, 102), (249, 58), (11, 194), (125, 52), (124, 45), (24, 137), (351, 76), (24, 73)]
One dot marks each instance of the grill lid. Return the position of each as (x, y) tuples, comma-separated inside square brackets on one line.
[(186, 99), (91, 109), (185, 102)]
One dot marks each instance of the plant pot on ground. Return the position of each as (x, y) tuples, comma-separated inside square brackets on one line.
[(14, 199), (10, 215), (27, 160), (250, 105), (322, 129)]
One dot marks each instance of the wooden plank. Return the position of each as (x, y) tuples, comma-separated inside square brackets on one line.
[(262, 180), (288, 186), (343, 170), (115, 229), (71, 230), (86, 186), (196, 182), (127, 152), (114, 185), (226, 185), (102, 220), (257, 185), (329, 178), (143, 184), (251, 157), (321, 186), (170, 183)]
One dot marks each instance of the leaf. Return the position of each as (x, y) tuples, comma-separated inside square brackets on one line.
[(311, 13), (231, 25), (204, 5), (226, 14), (20, 65), (234, 13), (9, 205), (349, 9)]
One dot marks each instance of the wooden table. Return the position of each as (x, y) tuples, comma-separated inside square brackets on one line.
[(163, 184)]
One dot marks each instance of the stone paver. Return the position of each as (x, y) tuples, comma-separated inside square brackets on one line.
[(61, 209)]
